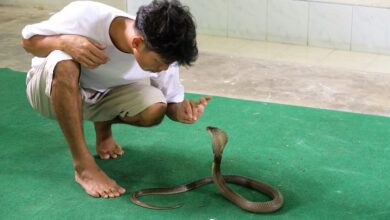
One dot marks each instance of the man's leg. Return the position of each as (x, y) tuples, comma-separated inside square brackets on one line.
[(67, 105), (106, 146), (151, 116), (137, 104)]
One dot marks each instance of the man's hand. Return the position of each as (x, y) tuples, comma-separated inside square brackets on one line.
[(188, 111), (85, 51)]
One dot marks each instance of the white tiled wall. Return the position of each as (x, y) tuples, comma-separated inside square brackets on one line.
[(211, 16), (330, 26), (247, 18), (287, 21), (341, 24), (58, 4), (368, 3), (133, 5), (371, 28)]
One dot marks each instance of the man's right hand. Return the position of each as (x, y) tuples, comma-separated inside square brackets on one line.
[(85, 51)]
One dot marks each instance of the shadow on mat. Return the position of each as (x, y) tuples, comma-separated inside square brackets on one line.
[(151, 166)]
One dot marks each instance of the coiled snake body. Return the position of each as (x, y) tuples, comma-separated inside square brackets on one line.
[(219, 141)]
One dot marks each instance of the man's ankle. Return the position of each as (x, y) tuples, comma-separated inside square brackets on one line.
[(103, 130), (88, 162)]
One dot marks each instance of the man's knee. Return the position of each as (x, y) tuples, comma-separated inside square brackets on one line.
[(66, 72), (151, 116)]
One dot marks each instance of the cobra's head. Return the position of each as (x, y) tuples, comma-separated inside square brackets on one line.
[(219, 140)]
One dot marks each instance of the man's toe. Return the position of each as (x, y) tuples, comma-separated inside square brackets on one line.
[(94, 194), (119, 151), (104, 156), (121, 190)]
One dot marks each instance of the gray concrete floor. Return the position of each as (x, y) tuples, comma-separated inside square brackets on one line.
[(252, 73)]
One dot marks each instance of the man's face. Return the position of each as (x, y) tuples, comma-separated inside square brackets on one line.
[(150, 61)]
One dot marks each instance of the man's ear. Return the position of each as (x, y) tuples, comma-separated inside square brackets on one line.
[(137, 43)]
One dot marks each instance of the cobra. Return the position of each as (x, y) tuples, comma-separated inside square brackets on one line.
[(219, 141)]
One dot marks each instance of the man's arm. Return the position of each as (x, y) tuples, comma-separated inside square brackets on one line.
[(83, 50), (188, 111), (41, 46)]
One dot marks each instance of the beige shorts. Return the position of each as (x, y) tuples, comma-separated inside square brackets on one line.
[(118, 101)]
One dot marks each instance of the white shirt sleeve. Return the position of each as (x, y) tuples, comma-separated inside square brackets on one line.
[(67, 21), (169, 83)]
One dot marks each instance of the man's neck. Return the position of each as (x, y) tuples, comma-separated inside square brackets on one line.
[(121, 30)]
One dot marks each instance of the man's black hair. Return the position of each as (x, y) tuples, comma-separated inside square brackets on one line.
[(169, 30)]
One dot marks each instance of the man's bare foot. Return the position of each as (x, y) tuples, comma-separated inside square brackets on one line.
[(96, 183), (108, 148)]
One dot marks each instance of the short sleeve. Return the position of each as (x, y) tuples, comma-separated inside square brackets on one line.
[(169, 83), (62, 22)]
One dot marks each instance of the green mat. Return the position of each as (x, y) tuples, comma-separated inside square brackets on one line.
[(327, 164)]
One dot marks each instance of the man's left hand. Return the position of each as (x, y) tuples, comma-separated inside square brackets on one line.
[(189, 111)]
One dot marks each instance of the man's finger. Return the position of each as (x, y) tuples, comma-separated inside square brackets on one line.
[(195, 113), (203, 100), (188, 109), (200, 109), (96, 60), (98, 55), (99, 45), (85, 61), (208, 98)]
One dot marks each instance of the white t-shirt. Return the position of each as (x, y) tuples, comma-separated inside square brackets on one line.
[(93, 20)]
